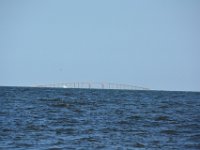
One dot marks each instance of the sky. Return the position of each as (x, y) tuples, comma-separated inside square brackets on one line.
[(148, 43)]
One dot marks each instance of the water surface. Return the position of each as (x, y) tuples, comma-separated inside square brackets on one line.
[(47, 118)]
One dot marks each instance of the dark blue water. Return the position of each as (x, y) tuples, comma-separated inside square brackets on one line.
[(42, 118)]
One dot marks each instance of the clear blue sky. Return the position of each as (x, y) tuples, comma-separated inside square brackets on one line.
[(150, 43)]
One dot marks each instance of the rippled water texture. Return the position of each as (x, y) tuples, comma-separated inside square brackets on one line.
[(42, 118)]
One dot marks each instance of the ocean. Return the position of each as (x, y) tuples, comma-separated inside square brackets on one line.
[(84, 119)]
